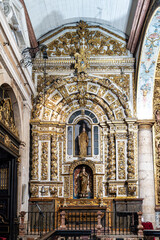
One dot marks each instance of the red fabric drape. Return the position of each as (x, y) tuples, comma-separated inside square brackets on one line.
[(147, 225)]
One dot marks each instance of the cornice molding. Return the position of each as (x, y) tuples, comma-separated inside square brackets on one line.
[(146, 124)]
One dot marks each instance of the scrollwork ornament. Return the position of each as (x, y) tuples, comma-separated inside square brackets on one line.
[(7, 140), (111, 157), (156, 112), (7, 116), (66, 186), (112, 190), (6, 7), (44, 160), (53, 191), (34, 190), (130, 155), (35, 162), (132, 189), (121, 159), (95, 42), (54, 170)]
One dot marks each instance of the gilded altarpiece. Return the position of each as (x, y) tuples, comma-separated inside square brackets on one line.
[(89, 85)]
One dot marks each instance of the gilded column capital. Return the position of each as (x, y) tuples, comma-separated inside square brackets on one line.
[(145, 124)]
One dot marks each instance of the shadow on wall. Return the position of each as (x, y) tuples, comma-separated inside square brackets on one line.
[(131, 16), (48, 23), (55, 20)]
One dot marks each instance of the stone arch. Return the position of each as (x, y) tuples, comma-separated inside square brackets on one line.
[(15, 106), (147, 67)]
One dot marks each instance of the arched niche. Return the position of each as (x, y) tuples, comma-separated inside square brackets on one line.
[(7, 91), (82, 182), (88, 142), (74, 165), (79, 126)]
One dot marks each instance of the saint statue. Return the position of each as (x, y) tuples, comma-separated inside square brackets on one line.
[(83, 142), (83, 183)]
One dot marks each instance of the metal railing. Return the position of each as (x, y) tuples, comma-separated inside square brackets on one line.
[(112, 223), (39, 223)]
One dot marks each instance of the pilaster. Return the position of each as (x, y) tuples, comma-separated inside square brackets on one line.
[(146, 170)]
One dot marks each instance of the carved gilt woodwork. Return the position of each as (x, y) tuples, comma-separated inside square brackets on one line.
[(94, 41), (130, 155), (35, 159), (44, 160), (54, 153), (7, 116), (111, 174), (84, 72), (156, 107), (121, 159), (34, 190)]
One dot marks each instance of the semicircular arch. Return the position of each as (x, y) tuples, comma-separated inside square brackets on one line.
[(147, 67)]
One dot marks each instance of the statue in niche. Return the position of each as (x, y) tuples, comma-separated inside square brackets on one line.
[(83, 182), (83, 143)]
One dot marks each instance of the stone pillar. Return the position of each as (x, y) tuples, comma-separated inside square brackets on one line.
[(99, 225), (63, 225), (146, 170)]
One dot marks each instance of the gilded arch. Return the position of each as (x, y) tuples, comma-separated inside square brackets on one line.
[(90, 163), (72, 93)]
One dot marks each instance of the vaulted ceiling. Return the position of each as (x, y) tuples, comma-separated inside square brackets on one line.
[(47, 15)]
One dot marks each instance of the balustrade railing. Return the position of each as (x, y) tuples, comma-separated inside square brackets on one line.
[(107, 223), (41, 222)]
